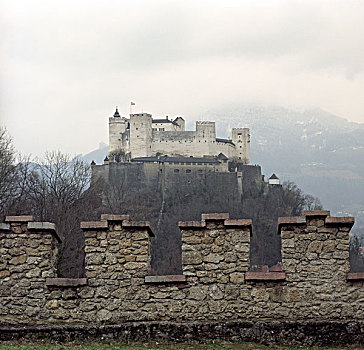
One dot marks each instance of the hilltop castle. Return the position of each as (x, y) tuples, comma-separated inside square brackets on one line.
[(141, 136)]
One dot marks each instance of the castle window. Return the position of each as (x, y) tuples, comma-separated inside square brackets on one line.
[(161, 129), (136, 128), (176, 171), (188, 171), (200, 171)]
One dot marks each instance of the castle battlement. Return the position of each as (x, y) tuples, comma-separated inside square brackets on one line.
[(142, 136), (312, 286)]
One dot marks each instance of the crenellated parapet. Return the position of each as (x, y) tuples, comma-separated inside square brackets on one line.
[(28, 256), (311, 283)]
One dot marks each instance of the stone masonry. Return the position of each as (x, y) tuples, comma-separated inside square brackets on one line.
[(217, 286)]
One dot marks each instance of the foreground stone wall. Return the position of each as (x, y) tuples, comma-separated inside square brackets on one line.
[(28, 252), (314, 282)]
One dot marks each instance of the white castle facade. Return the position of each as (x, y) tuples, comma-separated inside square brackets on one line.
[(142, 136)]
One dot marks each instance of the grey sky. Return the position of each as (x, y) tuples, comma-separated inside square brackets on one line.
[(66, 64)]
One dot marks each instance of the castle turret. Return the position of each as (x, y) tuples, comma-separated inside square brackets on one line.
[(141, 135), (241, 139), (117, 126)]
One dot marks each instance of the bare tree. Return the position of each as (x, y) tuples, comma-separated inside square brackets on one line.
[(57, 183), (296, 201), (59, 190), (7, 170), (55, 188)]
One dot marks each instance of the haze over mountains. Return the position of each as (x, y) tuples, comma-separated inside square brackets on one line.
[(322, 153)]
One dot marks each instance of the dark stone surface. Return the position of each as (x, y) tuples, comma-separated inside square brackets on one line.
[(155, 193), (308, 333)]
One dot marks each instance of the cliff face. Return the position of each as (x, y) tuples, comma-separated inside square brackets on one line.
[(159, 194)]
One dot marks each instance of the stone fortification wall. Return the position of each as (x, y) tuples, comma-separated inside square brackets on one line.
[(142, 139), (314, 282), (189, 143), (313, 290), (226, 148), (28, 252), (176, 142)]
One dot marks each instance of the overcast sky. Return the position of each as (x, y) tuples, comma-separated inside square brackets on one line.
[(65, 65)]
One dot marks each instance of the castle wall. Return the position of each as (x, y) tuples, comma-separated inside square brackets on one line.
[(225, 148), (216, 283), (28, 252), (164, 126), (177, 142), (146, 138)]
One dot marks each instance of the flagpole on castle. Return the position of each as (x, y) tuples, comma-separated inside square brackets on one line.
[(131, 104)]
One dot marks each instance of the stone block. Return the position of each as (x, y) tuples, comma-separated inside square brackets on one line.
[(165, 279), (315, 247), (294, 295), (287, 234), (214, 216), (260, 294), (237, 277), (94, 225), (213, 258), (21, 218), (18, 260), (197, 292), (328, 246), (191, 258), (4, 273), (288, 243), (191, 240)]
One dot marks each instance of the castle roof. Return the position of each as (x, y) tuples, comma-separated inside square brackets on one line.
[(180, 159), (116, 114), (274, 177), (222, 156), (225, 141)]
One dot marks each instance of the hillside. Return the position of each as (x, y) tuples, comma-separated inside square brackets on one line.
[(322, 153)]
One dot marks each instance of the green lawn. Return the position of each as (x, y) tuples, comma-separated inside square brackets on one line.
[(151, 346)]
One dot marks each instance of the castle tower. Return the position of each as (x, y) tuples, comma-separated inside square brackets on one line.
[(140, 135), (206, 137), (117, 126), (241, 139)]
